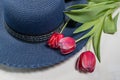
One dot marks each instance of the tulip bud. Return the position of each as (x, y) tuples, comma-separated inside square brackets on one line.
[(67, 45), (86, 62), (54, 39)]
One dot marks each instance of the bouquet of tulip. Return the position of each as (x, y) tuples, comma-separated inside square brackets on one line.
[(96, 17)]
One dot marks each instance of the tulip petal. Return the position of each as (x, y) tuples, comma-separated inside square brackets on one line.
[(67, 45), (54, 40), (86, 62)]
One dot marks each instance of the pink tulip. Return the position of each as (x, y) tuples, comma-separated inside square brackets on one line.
[(54, 39), (67, 45), (86, 62)]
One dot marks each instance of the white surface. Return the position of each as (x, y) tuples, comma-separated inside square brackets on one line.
[(108, 69)]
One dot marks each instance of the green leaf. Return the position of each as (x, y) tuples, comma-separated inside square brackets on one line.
[(90, 33), (98, 1), (88, 14), (77, 6), (116, 19), (85, 26), (102, 2), (109, 25), (96, 38)]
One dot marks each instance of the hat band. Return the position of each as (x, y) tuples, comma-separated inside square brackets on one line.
[(29, 38)]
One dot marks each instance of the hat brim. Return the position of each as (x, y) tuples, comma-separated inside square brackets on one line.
[(19, 54)]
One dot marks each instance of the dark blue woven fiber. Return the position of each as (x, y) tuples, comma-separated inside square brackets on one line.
[(16, 53), (33, 17)]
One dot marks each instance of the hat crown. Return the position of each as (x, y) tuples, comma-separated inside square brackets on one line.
[(33, 17)]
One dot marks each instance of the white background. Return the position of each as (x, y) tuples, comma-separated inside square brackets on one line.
[(108, 69)]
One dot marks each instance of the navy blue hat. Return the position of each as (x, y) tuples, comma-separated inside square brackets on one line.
[(25, 25)]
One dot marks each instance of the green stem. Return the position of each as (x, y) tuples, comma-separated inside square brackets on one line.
[(64, 25), (88, 45), (77, 40)]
